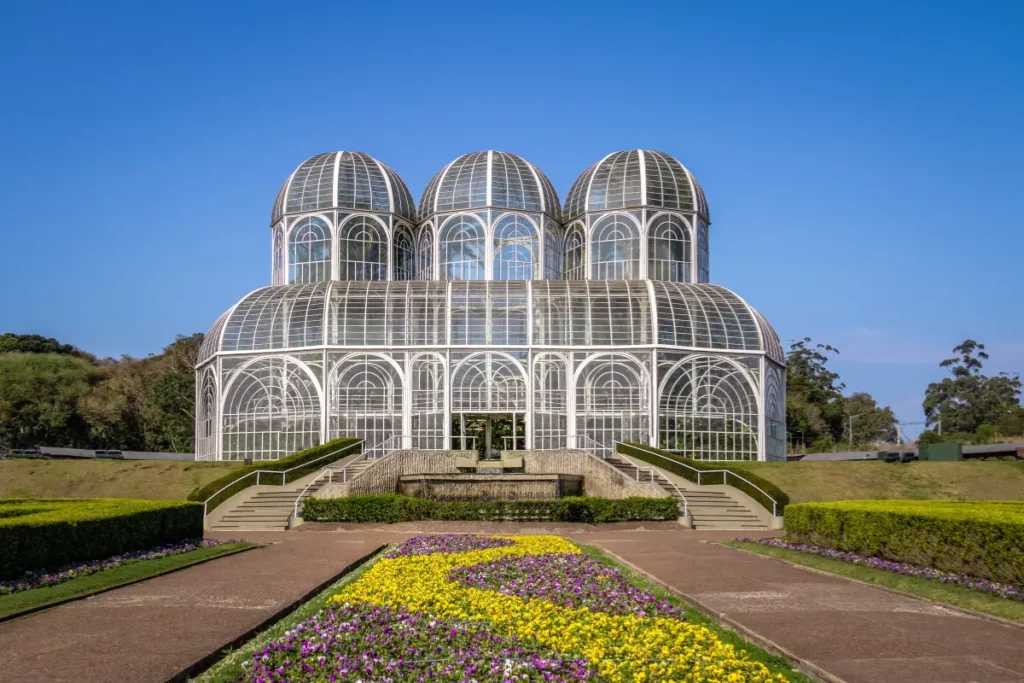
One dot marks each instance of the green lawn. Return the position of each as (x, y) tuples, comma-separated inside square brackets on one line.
[(149, 479), (822, 481), (776, 664), (957, 596), (111, 578), (229, 669)]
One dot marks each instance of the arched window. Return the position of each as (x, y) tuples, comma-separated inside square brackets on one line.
[(309, 251), (612, 399), (488, 382), (575, 254), (425, 253), (554, 238), (403, 259), (515, 248), (668, 250), (362, 250), (703, 261), (206, 430), (462, 249), (365, 400), (615, 249), (278, 257), (708, 410), (271, 410)]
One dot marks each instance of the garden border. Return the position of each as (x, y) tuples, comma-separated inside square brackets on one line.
[(804, 666), (63, 601), (204, 663), (943, 605)]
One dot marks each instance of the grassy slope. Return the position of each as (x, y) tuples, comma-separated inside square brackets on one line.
[(957, 596), (133, 571), (152, 479), (968, 480)]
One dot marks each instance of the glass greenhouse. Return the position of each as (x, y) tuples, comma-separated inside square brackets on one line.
[(588, 324)]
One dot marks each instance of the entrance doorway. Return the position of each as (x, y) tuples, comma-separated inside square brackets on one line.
[(489, 434)]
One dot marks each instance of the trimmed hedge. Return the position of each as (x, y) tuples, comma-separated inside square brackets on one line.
[(48, 533), (203, 492), (984, 539), (393, 507), (641, 452)]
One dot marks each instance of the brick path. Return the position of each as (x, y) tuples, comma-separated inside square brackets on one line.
[(850, 631), (152, 630)]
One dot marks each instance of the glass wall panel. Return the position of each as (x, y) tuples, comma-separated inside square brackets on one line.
[(309, 251), (463, 249), (668, 249), (403, 258), (515, 248), (362, 250), (615, 249)]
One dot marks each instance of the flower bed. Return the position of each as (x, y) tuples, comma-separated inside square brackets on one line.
[(40, 579), (529, 608), (1003, 590)]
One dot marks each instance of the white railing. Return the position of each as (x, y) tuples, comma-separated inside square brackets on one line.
[(582, 442), (725, 473), (388, 445), (463, 443), (652, 472), (283, 473)]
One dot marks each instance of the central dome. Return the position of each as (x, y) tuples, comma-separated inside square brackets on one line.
[(489, 179)]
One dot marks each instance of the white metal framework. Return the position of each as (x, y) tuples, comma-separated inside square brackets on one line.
[(387, 323)]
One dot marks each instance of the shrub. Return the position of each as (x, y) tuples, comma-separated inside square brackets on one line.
[(641, 452), (309, 455), (38, 534), (393, 507), (984, 539)]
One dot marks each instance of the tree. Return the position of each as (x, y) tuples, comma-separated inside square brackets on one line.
[(40, 395), (34, 343), (870, 422), (970, 399), (814, 400)]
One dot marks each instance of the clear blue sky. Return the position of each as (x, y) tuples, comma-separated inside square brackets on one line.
[(862, 161)]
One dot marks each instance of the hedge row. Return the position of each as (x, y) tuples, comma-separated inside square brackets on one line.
[(393, 507), (47, 533), (202, 493), (984, 539), (641, 452)]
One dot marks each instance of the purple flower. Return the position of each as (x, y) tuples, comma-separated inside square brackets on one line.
[(1003, 590), (42, 577), (568, 580), (447, 543)]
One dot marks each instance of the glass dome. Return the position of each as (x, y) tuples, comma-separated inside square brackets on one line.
[(492, 179), (633, 179), (343, 180)]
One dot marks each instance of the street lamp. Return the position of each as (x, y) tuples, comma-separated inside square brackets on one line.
[(851, 425)]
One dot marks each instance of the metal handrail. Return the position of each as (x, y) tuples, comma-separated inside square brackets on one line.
[(650, 469), (725, 479), (283, 473), (596, 449), (343, 472)]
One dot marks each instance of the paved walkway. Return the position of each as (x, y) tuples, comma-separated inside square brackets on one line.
[(150, 631), (853, 632)]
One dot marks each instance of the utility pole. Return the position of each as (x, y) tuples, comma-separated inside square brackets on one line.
[(899, 434)]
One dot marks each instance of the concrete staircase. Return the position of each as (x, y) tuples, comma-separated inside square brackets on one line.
[(711, 507), (270, 508)]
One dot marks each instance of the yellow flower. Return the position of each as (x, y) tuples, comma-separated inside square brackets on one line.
[(622, 647)]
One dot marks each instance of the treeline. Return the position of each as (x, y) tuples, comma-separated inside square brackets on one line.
[(54, 394), (968, 407)]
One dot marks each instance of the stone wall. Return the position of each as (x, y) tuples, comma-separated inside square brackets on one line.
[(466, 486), (600, 480)]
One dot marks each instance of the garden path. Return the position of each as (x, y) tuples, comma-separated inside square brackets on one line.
[(151, 631), (845, 630)]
